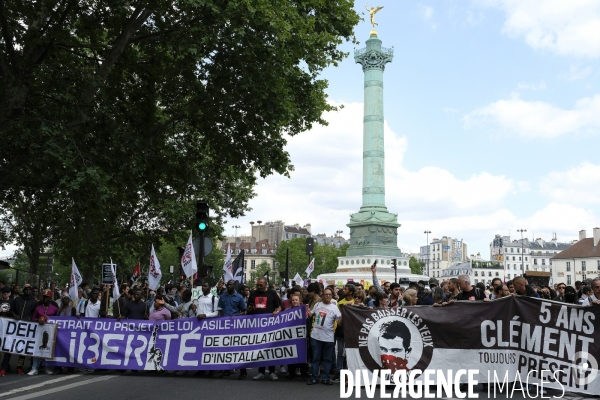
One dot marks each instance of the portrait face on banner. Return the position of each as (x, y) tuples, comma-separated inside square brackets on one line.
[(394, 343)]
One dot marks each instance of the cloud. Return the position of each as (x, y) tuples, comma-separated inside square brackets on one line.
[(326, 186), (562, 27), (537, 119), (578, 185), (577, 72), (557, 217), (425, 11), (529, 86)]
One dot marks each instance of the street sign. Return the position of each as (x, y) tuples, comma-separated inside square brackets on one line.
[(107, 274), (208, 246)]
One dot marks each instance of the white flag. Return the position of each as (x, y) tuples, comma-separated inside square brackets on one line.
[(310, 268), (76, 280), (227, 266), (298, 279), (116, 293), (154, 274), (188, 261)]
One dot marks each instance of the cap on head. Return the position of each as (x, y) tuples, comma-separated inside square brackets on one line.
[(5, 289), (47, 293)]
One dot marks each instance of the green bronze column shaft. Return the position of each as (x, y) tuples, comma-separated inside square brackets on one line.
[(373, 230), (373, 59)]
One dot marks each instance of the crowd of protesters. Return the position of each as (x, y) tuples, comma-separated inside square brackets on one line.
[(323, 305)]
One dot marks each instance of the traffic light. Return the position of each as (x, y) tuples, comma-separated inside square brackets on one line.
[(394, 263), (202, 214)]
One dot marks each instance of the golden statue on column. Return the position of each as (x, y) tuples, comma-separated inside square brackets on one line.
[(372, 11)]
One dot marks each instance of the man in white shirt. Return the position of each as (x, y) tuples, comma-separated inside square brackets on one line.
[(92, 306), (207, 304), (322, 338), (595, 298)]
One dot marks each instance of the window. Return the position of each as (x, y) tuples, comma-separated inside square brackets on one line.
[(253, 251), (245, 264), (598, 264), (264, 251), (543, 261), (512, 250), (535, 261), (513, 258), (525, 258), (518, 250), (568, 266), (490, 273), (568, 279), (519, 258), (497, 273), (583, 265), (253, 264), (476, 274), (476, 280), (263, 245)]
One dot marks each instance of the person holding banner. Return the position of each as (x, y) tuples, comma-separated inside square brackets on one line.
[(321, 339), (6, 305), (264, 301), (23, 309), (40, 315)]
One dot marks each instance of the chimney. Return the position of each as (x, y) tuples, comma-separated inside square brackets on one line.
[(238, 241), (308, 228), (582, 234), (253, 243), (596, 236)]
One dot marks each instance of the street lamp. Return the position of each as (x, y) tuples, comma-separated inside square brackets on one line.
[(522, 254), (339, 234), (427, 238)]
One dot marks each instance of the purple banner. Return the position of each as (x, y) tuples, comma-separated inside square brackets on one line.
[(182, 344)]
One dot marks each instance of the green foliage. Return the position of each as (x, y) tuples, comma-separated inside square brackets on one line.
[(325, 257), (416, 266), (116, 116)]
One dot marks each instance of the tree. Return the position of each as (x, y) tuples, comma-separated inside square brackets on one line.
[(325, 256), (416, 266), (117, 115)]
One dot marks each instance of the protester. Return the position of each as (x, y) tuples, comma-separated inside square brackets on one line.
[(322, 339), (594, 299), (586, 292), (91, 308), (395, 297), (160, 312), (6, 306), (264, 301), (66, 307), (40, 315), (522, 288), (231, 304), (381, 300), (23, 309), (187, 308), (469, 292), (348, 292), (207, 303), (561, 293), (137, 308), (410, 298), (303, 367)]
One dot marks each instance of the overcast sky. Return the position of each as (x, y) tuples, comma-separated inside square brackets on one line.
[(492, 111)]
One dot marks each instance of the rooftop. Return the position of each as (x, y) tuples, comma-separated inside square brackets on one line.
[(582, 249)]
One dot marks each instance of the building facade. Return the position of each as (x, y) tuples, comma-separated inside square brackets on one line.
[(525, 257), (444, 253), (579, 262), (255, 254)]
